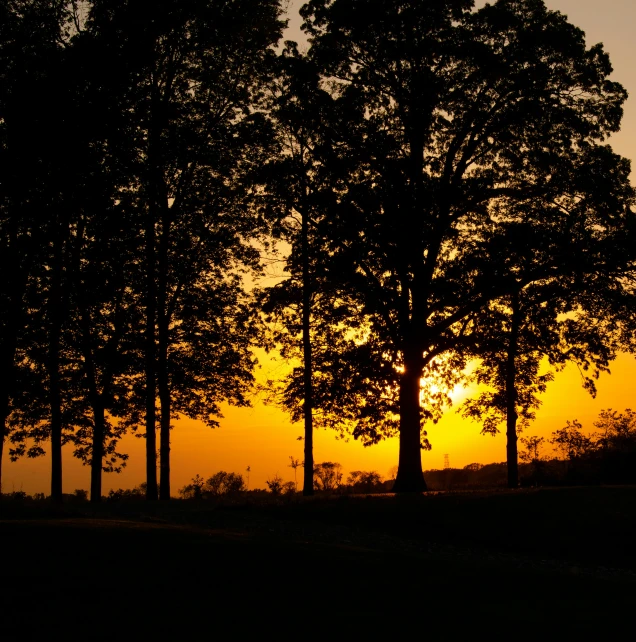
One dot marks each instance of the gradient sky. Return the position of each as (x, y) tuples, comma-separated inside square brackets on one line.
[(263, 438)]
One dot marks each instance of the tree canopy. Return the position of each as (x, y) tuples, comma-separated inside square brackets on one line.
[(475, 130), (439, 174)]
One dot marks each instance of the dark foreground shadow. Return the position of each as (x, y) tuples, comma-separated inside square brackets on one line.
[(94, 579)]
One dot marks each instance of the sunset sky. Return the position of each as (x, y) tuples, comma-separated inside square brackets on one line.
[(263, 438)]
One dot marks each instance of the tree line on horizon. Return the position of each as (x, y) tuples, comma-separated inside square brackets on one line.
[(605, 456), (435, 178)]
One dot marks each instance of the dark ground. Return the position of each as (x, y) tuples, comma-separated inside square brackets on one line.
[(557, 564)]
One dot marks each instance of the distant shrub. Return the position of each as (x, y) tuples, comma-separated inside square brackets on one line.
[(80, 495), (193, 490), (608, 455), (327, 476), (16, 496), (128, 494), (223, 483), (289, 488), (275, 485), (362, 481), (220, 484)]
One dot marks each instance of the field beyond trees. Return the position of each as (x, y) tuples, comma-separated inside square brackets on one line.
[(544, 561)]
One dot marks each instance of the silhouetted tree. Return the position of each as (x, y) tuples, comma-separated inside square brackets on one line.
[(575, 317), (80, 333), (223, 483), (295, 464), (307, 310), (327, 475), (469, 123), (616, 428), (609, 454), (362, 481), (275, 484), (189, 77), (571, 441), (193, 490), (128, 494), (105, 316), (532, 452), (34, 224)]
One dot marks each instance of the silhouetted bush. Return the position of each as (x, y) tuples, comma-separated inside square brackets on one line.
[(608, 455), (223, 483), (128, 494), (16, 496), (362, 481), (275, 485), (80, 495), (327, 476), (220, 484)]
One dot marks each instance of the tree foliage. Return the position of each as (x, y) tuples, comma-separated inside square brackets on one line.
[(362, 481), (474, 130), (438, 173), (327, 476), (220, 484), (607, 454), (570, 441)]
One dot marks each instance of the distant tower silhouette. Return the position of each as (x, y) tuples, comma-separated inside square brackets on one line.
[(446, 462)]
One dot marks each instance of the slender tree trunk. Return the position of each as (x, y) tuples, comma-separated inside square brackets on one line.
[(97, 451), (154, 217), (162, 364), (150, 359), (55, 402), (97, 406), (3, 432), (165, 403), (99, 422), (511, 397), (90, 371), (55, 304), (410, 478), (308, 396)]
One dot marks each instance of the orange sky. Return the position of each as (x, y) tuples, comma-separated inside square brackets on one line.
[(263, 438)]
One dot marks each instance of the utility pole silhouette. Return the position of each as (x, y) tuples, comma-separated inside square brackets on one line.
[(446, 462)]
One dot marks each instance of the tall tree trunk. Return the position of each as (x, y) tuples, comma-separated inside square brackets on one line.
[(164, 445), (150, 358), (97, 451), (410, 478), (308, 396), (55, 404), (3, 432), (97, 406), (162, 362), (511, 397), (154, 218), (55, 304), (90, 371)]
